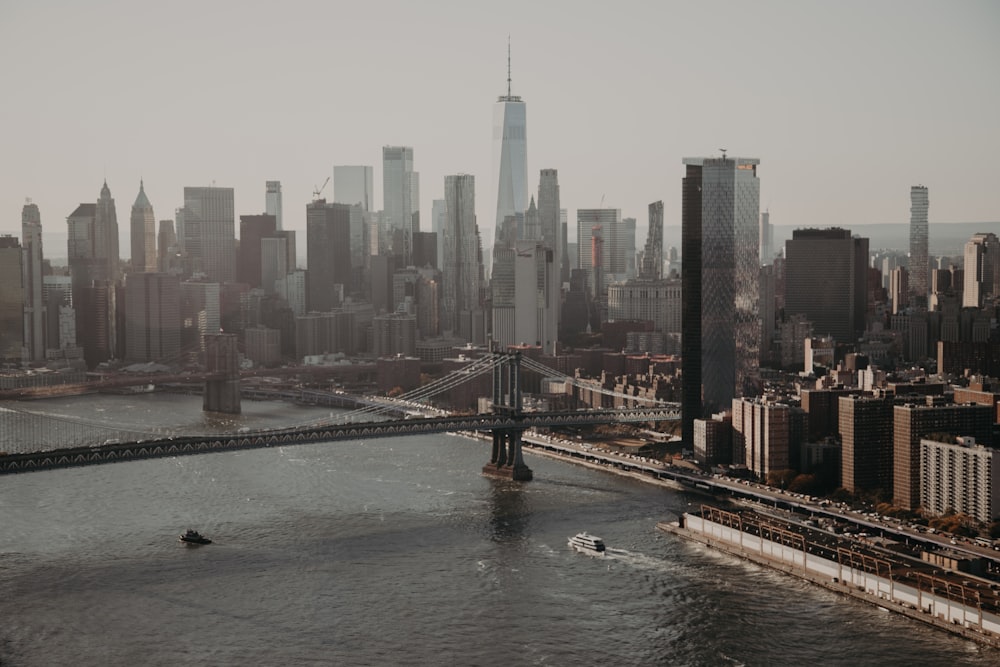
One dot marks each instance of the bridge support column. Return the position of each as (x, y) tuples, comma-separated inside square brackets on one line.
[(507, 461), (222, 392)]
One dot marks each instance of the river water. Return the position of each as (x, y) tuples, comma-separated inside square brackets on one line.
[(388, 552)]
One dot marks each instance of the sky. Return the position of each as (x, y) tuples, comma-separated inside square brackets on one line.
[(846, 104)]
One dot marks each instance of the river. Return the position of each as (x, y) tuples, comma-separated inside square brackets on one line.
[(392, 551)]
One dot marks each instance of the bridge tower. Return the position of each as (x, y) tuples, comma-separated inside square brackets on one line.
[(506, 460), (222, 387)]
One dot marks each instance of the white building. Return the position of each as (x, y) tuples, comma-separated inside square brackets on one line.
[(961, 477)]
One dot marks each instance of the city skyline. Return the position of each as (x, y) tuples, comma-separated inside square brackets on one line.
[(854, 107)]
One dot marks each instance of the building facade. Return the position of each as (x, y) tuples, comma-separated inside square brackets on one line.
[(919, 260), (152, 318), (720, 283), (960, 476), (510, 155), (328, 249), (142, 227), (209, 233), (34, 303)]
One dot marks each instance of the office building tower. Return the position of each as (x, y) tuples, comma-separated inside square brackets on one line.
[(273, 262), (210, 233), (352, 184), (826, 279), (919, 261), (601, 224), (394, 334), (400, 198), (720, 282), (438, 215), (152, 317), (462, 259), (96, 319), (656, 301), (201, 312), (960, 476), (12, 300), (253, 229), (913, 422), (292, 288), (272, 201), (865, 424), (766, 238), (623, 245), (982, 270), (899, 289), (34, 303), (106, 237), (510, 155), (328, 248), (142, 227), (167, 249), (651, 267), (263, 346)]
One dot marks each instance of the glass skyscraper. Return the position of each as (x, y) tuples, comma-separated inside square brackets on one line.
[(720, 261), (510, 155)]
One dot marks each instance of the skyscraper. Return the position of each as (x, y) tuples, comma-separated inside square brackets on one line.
[(328, 249), (826, 279), (510, 154), (652, 254), (272, 201), (766, 238), (142, 226), (597, 258), (152, 317), (11, 300), (210, 232), (253, 229), (352, 184), (462, 261), (919, 262), (400, 197), (106, 237), (34, 305), (719, 272), (982, 269)]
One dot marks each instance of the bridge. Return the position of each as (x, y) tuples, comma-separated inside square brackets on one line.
[(33, 442)]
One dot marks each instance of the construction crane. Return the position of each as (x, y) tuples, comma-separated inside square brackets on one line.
[(318, 190)]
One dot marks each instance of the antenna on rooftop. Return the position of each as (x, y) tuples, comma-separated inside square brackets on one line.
[(723, 153), (508, 65)]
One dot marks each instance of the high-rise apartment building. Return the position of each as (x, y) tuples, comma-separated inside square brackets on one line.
[(34, 304), (210, 233), (328, 249), (826, 279), (272, 201), (462, 259), (914, 421), (352, 184), (766, 435), (919, 261), (510, 155), (142, 228), (960, 476), (982, 270), (152, 317), (720, 282), (400, 197), (11, 300), (865, 424)]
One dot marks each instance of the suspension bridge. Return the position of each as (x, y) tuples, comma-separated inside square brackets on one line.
[(32, 441)]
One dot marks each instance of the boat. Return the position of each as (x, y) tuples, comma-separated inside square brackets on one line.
[(587, 543), (194, 537)]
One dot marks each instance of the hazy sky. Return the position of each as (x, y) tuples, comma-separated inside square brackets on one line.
[(847, 104)]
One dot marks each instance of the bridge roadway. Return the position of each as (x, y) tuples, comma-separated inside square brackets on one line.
[(204, 444)]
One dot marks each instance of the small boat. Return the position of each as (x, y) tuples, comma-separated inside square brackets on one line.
[(194, 537), (587, 543)]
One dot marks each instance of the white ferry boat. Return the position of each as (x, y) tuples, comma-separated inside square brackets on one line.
[(587, 543)]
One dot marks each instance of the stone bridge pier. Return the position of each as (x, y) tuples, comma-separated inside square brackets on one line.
[(222, 361), (506, 460)]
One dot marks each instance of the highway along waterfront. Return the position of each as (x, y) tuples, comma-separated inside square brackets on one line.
[(394, 551)]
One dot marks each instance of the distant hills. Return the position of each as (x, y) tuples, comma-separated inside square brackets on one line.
[(945, 238)]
